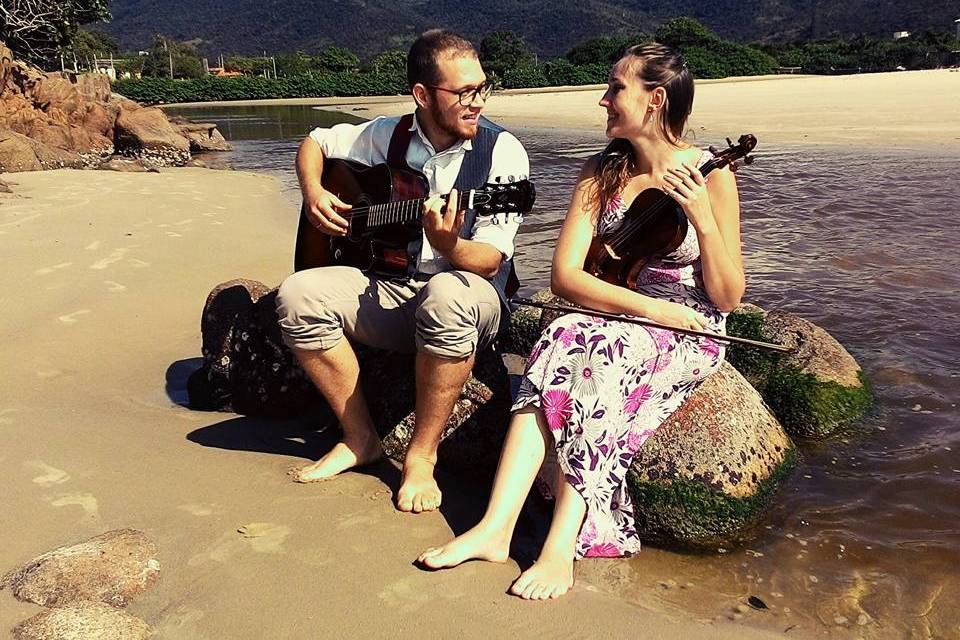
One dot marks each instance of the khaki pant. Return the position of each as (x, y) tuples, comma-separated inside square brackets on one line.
[(450, 315)]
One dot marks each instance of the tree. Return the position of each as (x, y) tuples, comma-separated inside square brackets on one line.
[(337, 59), (391, 61), (87, 45), (504, 50), (40, 30), (604, 50), (680, 33), (165, 52)]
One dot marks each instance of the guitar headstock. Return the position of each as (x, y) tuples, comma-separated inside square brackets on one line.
[(509, 197), (734, 153)]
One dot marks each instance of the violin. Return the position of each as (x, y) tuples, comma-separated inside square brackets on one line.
[(655, 225)]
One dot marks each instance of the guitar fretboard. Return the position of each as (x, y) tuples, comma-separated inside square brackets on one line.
[(401, 212)]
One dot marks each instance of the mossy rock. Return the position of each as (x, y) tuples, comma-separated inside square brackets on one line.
[(705, 478), (814, 391)]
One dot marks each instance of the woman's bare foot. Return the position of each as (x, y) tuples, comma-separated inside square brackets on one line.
[(418, 490), (476, 544), (549, 577), (344, 455)]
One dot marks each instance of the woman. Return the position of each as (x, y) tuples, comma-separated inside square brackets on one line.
[(595, 390)]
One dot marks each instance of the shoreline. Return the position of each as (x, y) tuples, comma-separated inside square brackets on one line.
[(896, 109)]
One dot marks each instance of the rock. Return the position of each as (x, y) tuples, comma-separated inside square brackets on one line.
[(20, 153), (706, 475), (126, 165), (82, 621), (146, 133), (5, 188), (248, 369), (114, 568), (813, 392), (474, 434), (526, 326), (202, 136)]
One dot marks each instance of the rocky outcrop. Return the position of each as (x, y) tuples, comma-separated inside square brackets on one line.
[(75, 121), (706, 475), (82, 621), (202, 136), (814, 391), (701, 481), (113, 568), (145, 132)]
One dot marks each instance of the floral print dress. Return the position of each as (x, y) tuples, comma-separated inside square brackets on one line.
[(606, 386)]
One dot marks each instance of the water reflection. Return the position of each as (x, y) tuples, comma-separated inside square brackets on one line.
[(863, 540)]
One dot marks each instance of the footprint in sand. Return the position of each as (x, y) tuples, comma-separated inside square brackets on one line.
[(403, 597), (115, 256), (85, 501), (196, 509), (49, 475), (262, 537), (71, 318), (114, 287), (56, 267)]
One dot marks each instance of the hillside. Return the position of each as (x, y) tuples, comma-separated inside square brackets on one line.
[(550, 26)]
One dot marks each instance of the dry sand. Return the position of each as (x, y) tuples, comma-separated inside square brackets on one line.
[(104, 278)]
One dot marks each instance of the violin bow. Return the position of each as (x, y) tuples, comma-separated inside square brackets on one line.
[(527, 302)]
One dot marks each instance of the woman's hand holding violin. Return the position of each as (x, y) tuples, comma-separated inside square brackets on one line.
[(688, 187)]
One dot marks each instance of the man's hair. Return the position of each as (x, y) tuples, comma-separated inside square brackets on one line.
[(426, 50)]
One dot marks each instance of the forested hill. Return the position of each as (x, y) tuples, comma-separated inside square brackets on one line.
[(550, 27)]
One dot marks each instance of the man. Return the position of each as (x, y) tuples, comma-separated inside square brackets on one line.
[(455, 302)]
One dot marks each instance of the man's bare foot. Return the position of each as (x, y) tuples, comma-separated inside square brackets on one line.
[(475, 544), (343, 456), (549, 577), (418, 490)]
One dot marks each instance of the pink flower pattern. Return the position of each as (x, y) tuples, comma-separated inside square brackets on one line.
[(646, 375)]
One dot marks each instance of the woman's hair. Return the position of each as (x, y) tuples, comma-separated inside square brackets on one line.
[(656, 65)]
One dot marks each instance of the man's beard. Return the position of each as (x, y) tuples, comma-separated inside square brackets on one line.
[(453, 124)]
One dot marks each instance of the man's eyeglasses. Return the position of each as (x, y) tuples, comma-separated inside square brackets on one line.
[(468, 95)]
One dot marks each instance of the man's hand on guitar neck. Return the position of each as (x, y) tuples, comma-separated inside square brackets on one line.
[(324, 209), (442, 223)]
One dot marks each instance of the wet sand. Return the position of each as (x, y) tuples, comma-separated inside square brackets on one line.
[(105, 278)]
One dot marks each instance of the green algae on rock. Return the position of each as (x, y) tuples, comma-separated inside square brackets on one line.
[(813, 392), (706, 476)]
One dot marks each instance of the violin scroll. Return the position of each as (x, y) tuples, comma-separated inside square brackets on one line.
[(735, 154)]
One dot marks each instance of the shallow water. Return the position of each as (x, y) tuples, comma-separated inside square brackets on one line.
[(863, 540)]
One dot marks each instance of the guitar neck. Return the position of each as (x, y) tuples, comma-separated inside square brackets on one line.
[(400, 211)]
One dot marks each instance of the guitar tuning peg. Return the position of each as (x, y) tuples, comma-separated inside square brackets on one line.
[(712, 149), (747, 159), (729, 142)]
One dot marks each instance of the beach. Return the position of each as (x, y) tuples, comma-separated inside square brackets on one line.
[(106, 276)]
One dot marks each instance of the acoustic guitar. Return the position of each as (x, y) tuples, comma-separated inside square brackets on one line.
[(387, 216)]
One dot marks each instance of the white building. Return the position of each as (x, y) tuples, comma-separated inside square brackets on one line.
[(897, 35)]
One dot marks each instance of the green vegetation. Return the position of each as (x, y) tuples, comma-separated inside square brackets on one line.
[(689, 515), (925, 50), (805, 406), (511, 62), (207, 89)]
